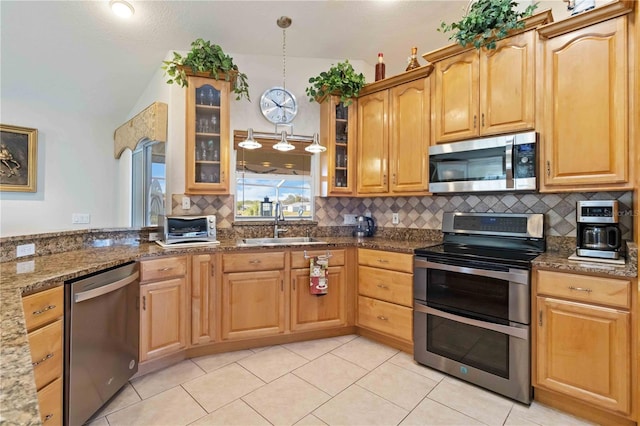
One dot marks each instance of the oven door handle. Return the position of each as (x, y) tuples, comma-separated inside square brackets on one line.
[(515, 331), (519, 276)]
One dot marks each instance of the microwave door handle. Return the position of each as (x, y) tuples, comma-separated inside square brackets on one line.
[(508, 161)]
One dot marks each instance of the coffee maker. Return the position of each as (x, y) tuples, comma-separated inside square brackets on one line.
[(598, 230), (365, 227)]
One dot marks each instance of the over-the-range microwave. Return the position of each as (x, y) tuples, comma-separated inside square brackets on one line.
[(499, 163)]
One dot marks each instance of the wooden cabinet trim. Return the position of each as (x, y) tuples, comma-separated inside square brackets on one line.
[(394, 261), (162, 268), (387, 83), (46, 353)]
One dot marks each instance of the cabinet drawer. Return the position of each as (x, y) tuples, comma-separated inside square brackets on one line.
[(46, 353), (585, 288), (247, 262), (392, 286), (50, 402), (385, 317), (165, 267), (386, 259), (43, 307), (298, 260)]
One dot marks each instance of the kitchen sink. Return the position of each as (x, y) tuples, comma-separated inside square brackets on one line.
[(285, 241)]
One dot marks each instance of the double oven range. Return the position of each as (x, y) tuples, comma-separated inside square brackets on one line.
[(472, 300)]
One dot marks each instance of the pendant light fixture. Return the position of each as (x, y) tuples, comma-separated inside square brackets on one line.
[(284, 22), (315, 147), (250, 142), (284, 145)]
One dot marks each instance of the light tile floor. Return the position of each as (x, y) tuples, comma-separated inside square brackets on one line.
[(346, 380)]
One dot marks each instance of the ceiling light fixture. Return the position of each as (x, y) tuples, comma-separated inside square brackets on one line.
[(122, 8), (284, 145), (315, 147), (250, 142)]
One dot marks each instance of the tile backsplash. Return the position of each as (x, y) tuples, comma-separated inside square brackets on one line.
[(426, 212)]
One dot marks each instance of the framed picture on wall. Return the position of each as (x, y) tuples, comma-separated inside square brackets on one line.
[(18, 158)]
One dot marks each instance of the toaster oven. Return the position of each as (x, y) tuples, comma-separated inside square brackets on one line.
[(187, 229)]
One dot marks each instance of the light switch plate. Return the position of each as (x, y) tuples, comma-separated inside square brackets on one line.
[(186, 203), (25, 250), (80, 218), (349, 219), (395, 219)]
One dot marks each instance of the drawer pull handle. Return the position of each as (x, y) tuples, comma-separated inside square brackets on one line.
[(168, 268), (42, 360), (48, 417), (43, 310), (383, 261), (383, 318), (254, 261), (588, 290), (382, 286)]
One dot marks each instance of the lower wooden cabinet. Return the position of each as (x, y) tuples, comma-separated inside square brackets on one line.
[(50, 402), (203, 309), (385, 317), (583, 347), (312, 312), (253, 304), (163, 308)]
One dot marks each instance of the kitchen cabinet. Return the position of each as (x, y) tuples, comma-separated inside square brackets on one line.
[(393, 136), (338, 134), (207, 136), (43, 318), (164, 306), (585, 108), (583, 335), (253, 295), (484, 92), (310, 311), (203, 309), (385, 296)]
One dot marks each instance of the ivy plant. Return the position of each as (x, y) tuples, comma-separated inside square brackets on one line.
[(486, 22), (340, 79), (208, 58)]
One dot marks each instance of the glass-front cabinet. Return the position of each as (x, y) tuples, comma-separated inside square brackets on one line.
[(207, 136), (337, 133)]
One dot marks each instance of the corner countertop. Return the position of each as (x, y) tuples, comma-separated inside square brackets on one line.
[(18, 398)]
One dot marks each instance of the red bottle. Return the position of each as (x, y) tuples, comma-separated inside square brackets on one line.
[(380, 68)]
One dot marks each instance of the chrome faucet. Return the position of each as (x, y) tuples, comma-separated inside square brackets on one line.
[(279, 216)]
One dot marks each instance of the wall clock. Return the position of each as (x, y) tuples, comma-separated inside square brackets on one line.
[(278, 105)]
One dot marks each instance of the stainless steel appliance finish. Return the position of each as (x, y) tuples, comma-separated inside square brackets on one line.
[(102, 322), (598, 234), (187, 229), (500, 163), (472, 300)]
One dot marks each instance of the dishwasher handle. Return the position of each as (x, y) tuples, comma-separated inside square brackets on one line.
[(96, 292)]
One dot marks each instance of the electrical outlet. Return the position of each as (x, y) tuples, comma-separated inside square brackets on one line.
[(186, 203), (25, 250), (80, 218), (395, 219), (350, 219), (367, 213), (154, 236)]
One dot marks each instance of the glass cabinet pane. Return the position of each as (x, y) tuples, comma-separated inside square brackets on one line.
[(207, 125)]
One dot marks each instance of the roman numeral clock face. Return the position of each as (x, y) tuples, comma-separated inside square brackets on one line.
[(278, 105)]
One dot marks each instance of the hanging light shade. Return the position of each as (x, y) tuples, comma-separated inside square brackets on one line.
[(249, 142), (284, 144), (315, 147)]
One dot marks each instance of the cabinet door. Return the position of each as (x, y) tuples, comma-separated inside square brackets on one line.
[(455, 97), (409, 124), (373, 143), (507, 89), (584, 352), (253, 304), (338, 134), (586, 107), (202, 299), (207, 136), (311, 312), (163, 322)]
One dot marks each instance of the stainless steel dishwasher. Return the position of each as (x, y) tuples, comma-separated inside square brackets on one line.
[(102, 318)]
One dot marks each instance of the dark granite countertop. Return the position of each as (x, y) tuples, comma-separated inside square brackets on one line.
[(18, 400)]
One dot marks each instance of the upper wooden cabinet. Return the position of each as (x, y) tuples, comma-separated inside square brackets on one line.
[(478, 93), (338, 134), (393, 136), (207, 136), (585, 142)]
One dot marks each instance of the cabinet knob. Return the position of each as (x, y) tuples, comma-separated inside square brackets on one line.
[(475, 118), (222, 176), (483, 119), (48, 417), (548, 168), (382, 318)]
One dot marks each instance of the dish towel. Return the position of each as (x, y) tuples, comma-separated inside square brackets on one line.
[(319, 275)]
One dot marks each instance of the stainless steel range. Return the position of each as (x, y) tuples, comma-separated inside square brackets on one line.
[(472, 300)]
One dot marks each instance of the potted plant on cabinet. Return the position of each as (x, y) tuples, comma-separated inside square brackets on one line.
[(340, 80), (208, 60), (486, 22)]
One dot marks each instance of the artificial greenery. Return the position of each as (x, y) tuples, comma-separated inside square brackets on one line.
[(486, 22), (341, 79), (208, 58)]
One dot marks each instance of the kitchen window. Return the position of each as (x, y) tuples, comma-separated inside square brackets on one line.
[(266, 176), (148, 183)]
